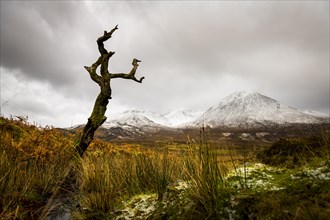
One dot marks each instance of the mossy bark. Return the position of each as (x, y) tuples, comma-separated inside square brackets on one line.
[(97, 117)]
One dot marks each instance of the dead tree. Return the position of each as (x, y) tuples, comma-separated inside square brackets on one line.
[(98, 117)]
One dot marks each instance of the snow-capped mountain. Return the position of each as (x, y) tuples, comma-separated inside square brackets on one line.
[(156, 118), (134, 121), (245, 110), (138, 118), (248, 109)]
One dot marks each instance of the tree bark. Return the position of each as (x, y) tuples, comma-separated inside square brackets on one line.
[(98, 117)]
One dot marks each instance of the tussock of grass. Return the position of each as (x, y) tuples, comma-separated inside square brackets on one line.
[(117, 176), (207, 187), (293, 152)]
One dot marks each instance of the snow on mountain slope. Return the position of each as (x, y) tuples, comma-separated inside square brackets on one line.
[(317, 114), (157, 118), (137, 118), (251, 109), (182, 116), (239, 110), (134, 121)]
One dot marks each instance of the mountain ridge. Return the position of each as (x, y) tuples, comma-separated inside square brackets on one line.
[(171, 119), (242, 109)]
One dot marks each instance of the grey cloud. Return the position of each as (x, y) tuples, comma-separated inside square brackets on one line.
[(40, 43), (192, 52)]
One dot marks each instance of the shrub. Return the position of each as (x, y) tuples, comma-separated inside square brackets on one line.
[(292, 152)]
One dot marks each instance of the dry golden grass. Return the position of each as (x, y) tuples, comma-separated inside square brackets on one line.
[(34, 162)]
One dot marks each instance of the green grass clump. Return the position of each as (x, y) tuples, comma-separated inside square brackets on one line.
[(293, 152), (297, 196)]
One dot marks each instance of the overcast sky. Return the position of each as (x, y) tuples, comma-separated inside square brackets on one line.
[(193, 55)]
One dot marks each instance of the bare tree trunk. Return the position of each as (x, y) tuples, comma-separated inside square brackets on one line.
[(97, 117)]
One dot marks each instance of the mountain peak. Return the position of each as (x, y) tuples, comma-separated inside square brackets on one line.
[(244, 93), (250, 109), (242, 96)]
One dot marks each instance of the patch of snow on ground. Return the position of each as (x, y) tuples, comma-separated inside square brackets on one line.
[(260, 176), (138, 207), (226, 134), (181, 185), (253, 176), (322, 173)]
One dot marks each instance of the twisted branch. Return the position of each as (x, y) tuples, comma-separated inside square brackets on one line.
[(103, 60), (131, 74)]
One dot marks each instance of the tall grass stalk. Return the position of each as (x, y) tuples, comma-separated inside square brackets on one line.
[(205, 176)]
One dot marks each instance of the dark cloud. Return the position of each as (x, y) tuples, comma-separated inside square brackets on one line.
[(43, 40), (193, 53)]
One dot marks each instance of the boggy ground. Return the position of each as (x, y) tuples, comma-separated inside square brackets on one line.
[(286, 180)]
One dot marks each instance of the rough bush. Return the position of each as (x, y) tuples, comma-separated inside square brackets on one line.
[(292, 152)]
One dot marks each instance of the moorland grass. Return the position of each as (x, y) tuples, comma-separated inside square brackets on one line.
[(34, 162)]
